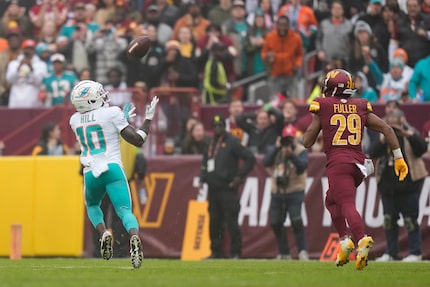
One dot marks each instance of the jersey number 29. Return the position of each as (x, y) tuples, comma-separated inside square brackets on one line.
[(352, 123)]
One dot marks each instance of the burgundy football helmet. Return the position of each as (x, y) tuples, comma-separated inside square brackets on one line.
[(338, 83)]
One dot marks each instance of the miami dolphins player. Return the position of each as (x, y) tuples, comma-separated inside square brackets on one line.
[(98, 128)]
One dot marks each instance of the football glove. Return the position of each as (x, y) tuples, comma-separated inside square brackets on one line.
[(401, 168), (150, 109), (128, 111)]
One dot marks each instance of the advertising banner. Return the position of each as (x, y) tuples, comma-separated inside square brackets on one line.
[(172, 181)]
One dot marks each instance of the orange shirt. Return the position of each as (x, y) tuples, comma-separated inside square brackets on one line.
[(288, 52), (306, 19), (198, 29)]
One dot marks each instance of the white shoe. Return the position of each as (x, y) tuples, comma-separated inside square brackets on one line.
[(136, 251), (384, 258), (284, 257), (106, 249), (303, 255), (412, 258)]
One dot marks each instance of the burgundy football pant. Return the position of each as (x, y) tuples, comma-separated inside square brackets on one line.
[(343, 179)]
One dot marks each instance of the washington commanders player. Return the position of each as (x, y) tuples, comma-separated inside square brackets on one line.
[(342, 119), (98, 128)]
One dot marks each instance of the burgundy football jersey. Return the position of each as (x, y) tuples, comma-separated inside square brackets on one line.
[(342, 122)]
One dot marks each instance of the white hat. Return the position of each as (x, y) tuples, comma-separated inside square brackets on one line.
[(58, 57)]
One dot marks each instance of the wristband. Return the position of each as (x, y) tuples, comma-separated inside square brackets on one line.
[(397, 153), (142, 134)]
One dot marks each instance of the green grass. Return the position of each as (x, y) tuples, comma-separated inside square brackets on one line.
[(168, 273)]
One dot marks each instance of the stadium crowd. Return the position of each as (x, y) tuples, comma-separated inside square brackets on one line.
[(47, 46)]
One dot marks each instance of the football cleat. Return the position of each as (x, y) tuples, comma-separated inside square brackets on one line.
[(364, 246), (136, 251), (345, 249), (106, 249)]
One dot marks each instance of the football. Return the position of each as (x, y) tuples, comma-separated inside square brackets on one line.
[(138, 47)]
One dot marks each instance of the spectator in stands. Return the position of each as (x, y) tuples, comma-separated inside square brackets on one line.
[(425, 7), (50, 142), (148, 69), (283, 52), (107, 46), (419, 84), (117, 87), (15, 13), (76, 49), (412, 33), (169, 12), (68, 31), (237, 29), (220, 12), (123, 16), (373, 15), (192, 19), (392, 85), (25, 74), (107, 7), (187, 43), (401, 54), (254, 43), (264, 10), (235, 109), (288, 161), (85, 74), (302, 21), (262, 133), (252, 5), (333, 36), (13, 36), (48, 10), (363, 40), (215, 85), (178, 71), (384, 30), (48, 35), (196, 141), (401, 197), (58, 85), (363, 90), (214, 35), (153, 17)]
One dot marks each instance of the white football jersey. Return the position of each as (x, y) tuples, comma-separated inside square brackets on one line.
[(98, 133)]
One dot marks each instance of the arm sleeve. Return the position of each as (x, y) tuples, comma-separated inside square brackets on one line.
[(300, 161), (269, 157), (248, 158), (376, 72)]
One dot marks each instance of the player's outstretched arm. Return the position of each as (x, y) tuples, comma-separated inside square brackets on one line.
[(138, 137), (377, 124), (311, 134)]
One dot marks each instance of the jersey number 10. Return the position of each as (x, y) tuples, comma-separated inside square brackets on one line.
[(92, 139)]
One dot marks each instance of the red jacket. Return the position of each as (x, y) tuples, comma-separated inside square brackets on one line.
[(288, 52)]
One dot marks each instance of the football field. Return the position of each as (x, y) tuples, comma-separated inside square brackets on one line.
[(168, 273)]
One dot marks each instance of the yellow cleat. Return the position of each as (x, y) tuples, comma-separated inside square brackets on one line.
[(346, 247), (364, 246)]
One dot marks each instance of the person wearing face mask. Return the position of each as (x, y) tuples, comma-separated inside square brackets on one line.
[(283, 52)]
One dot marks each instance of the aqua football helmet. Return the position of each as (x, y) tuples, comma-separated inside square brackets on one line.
[(88, 95)]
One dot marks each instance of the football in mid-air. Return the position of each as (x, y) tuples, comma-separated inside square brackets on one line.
[(138, 48)]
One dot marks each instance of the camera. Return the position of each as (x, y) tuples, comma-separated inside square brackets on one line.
[(281, 181), (287, 142)]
